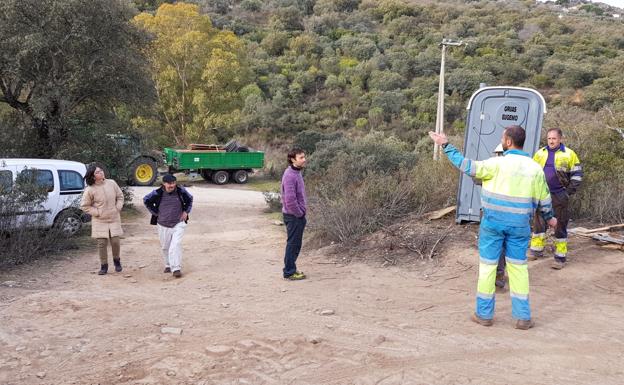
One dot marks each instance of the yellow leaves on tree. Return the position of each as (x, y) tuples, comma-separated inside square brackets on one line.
[(197, 70)]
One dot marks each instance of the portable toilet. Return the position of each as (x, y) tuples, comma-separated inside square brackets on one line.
[(490, 110)]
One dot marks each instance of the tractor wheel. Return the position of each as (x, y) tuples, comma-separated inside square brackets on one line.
[(220, 177), (240, 176), (143, 172)]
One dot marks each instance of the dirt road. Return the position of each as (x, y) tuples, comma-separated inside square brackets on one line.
[(241, 323)]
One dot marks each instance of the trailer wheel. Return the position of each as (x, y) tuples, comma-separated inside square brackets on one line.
[(220, 177), (143, 172), (206, 174), (240, 176)]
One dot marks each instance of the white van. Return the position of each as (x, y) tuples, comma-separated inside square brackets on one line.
[(64, 181)]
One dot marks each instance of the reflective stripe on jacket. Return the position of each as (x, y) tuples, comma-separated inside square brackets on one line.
[(513, 186), (567, 164)]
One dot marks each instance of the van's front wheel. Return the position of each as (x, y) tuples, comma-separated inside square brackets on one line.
[(69, 223)]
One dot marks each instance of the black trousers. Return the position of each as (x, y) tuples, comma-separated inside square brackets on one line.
[(294, 229)]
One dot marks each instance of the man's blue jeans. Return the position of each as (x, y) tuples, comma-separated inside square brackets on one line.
[(294, 229)]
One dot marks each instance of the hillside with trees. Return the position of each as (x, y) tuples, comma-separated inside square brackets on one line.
[(336, 72)]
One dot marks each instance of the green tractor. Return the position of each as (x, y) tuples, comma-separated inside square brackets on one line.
[(141, 165)]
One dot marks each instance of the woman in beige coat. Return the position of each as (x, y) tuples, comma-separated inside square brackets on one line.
[(103, 200)]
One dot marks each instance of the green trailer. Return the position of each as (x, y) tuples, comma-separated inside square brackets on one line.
[(217, 164)]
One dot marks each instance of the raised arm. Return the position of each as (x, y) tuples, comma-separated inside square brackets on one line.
[(472, 168)]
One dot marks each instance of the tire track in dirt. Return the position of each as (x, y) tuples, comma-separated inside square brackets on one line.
[(243, 324)]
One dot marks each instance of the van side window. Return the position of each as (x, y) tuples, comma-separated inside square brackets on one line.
[(70, 180), (6, 180), (42, 178)]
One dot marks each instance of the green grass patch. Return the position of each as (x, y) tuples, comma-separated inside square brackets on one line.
[(258, 184), (276, 216)]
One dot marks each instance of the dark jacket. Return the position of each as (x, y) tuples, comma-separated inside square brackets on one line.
[(152, 202)]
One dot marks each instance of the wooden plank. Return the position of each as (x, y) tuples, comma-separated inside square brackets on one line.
[(605, 237), (440, 213), (606, 228), (612, 246), (580, 231)]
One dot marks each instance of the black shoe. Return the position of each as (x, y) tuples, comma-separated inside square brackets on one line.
[(118, 267), (177, 273), (167, 270), (103, 269)]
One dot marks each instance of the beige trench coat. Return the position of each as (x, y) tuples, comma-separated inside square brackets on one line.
[(103, 201)]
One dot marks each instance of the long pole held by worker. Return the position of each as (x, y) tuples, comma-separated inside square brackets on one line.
[(439, 127)]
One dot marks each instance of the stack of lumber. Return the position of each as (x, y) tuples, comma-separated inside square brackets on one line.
[(205, 147), (602, 236)]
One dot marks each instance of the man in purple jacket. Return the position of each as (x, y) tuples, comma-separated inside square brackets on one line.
[(294, 210)]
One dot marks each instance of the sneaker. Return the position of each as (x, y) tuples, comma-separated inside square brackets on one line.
[(177, 273), (557, 265), (296, 276), (167, 270), (481, 321), (524, 324)]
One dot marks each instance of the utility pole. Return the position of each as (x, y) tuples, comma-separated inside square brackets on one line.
[(439, 128)]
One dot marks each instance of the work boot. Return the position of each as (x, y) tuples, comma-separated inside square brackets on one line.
[(117, 263), (167, 270), (557, 265), (177, 273), (103, 269), (535, 255), (481, 321), (524, 324)]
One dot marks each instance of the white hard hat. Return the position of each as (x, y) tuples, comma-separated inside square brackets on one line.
[(499, 149)]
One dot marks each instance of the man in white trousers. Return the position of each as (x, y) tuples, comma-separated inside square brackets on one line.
[(170, 206)]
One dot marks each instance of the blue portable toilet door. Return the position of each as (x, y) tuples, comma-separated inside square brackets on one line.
[(490, 110)]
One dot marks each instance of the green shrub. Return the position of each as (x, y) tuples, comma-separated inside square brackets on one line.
[(24, 238), (357, 186), (251, 5), (308, 139)]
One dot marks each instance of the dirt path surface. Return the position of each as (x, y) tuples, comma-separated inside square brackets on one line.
[(241, 323)]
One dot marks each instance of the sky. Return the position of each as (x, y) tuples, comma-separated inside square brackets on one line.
[(615, 3)]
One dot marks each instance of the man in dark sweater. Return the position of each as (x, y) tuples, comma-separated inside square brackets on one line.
[(294, 211), (170, 206)]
